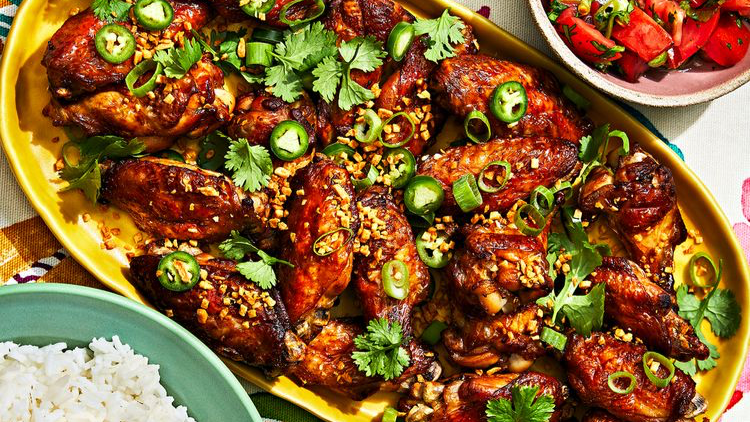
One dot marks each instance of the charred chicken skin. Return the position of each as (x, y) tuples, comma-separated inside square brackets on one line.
[(180, 201), (640, 202), (590, 361), (534, 162), (466, 82), (640, 305)]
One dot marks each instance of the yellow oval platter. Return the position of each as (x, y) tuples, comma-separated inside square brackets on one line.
[(32, 146)]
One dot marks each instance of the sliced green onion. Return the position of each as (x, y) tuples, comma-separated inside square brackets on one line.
[(548, 196), (258, 54), (339, 152), (395, 276), (625, 148), (271, 36), (697, 281), (401, 168), (431, 334), (405, 140), (399, 40), (318, 252), (554, 338), (613, 378), (389, 415), (564, 186), (535, 215), (485, 136), (484, 187), (139, 70), (466, 192), (68, 160), (663, 360), (509, 102), (318, 8), (424, 195), (373, 124), (579, 100), (368, 180)]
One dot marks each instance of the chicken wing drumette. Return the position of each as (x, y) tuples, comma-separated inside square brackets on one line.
[(641, 206), (258, 113)]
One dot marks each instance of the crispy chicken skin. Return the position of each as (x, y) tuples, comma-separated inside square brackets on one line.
[(261, 337), (464, 398), (395, 240), (590, 361), (323, 200), (258, 113), (599, 415), (640, 202), (554, 159), (181, 201), (465, 83), (638, 304), (504, 340), (198, 105), (74, 67)]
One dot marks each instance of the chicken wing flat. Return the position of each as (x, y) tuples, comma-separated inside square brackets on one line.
[(385, 235), (322, 222), (181, 201), (192, 106), (258, 113), (74, 67), (465, 83), (510, 341), (464, 398), (638, 304), (590, 361), (641, 205), (534, 162), (232, 315)]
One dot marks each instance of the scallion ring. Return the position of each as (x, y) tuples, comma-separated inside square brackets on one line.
[(395, 276), (625, 147), (267, 35), (403, 141), (664, 361), (66, 148), (368, 180), (258, 54), (693, 267), (554, 338), (482, 179), (579, 100), (318, 8), (466, 192), (483, 136), (535, 215), (564, 186), (325, 250), (613, 378), (541, 192), (431, 334), (389, 415), (139, 70), (370, 121)]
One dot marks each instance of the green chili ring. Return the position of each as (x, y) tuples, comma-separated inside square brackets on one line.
[(139, 70), (612, 378), (404, 141), (484, 187), (257, 9), (127, 47), (466, 193), (324, 235), (697, 282), (399, 40), (289, 140), (319, 7), (374, 125), (477, 115), (144, 11), (535, 215), (368, 180), (424, 195), (436, 259), (663, 360), (397, 288), (405, 171), (554, 338), (431, 334), (509, 102), (339, 152), (170, 276)]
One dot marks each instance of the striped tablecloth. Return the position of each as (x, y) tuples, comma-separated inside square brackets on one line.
[(713, 138)]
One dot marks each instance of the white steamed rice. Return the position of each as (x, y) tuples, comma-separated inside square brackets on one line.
[(108, 383)]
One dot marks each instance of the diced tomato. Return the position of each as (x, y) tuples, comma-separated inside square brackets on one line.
[(696, 3), (670, 14), (585, 40), (632, 66), (643, 36), (695, 35), (729, 42), (740, 6)]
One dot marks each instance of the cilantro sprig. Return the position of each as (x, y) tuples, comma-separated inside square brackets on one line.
[(251, 165), (222, 46), (109, 10), (380, 350), (442, 33), (261, 272), (178, 61), (594, 148), (524, 406)]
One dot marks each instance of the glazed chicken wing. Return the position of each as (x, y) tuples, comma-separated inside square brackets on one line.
[(598, 415), (464, 398), (232, 12), (641, 205), (465, 83), (385, 235), (258, 113), (534, 162), (638, 304), (235, 317), (181, 201), (322, 210), (590, 361)]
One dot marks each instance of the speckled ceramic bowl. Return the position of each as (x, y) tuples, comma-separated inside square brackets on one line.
[(699, 84)]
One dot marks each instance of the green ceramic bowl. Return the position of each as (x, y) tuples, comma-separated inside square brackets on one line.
[(42, 314)]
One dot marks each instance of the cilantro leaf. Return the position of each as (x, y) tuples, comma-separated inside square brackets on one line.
[(352, 93), (365, 54), (555, 9), (178, 61), (251, 165), (442, 32), (284, 83), (524, 406), (379, 351), (237, 246), (87, 178), (259, 272), (586, 313), (723, 312), (109, 10), (327, 74)]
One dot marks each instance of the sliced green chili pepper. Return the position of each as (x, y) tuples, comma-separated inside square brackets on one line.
[(170, 154), (579, 100), (339, 152), (692, 267), (267, 35), (153, 15), (664, 361), (333, 234), (535, 215), (373, 124), (178, 271), (430, 253), (254, 8), (485, 136), (213, 149), (114, 43), (612, 379), (389, 415), (423, 195), (554, 338), (403, 141), (289, 140), (482, 179), (431, 334), (509, 102), (466, 192), (400, 39), (400, 166), (139, 70), (368, 180), (549, 199), (258, 54), (395, 276), (318, 8)]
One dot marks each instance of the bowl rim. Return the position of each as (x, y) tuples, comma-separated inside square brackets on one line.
[(42, 289), (594, 77)]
